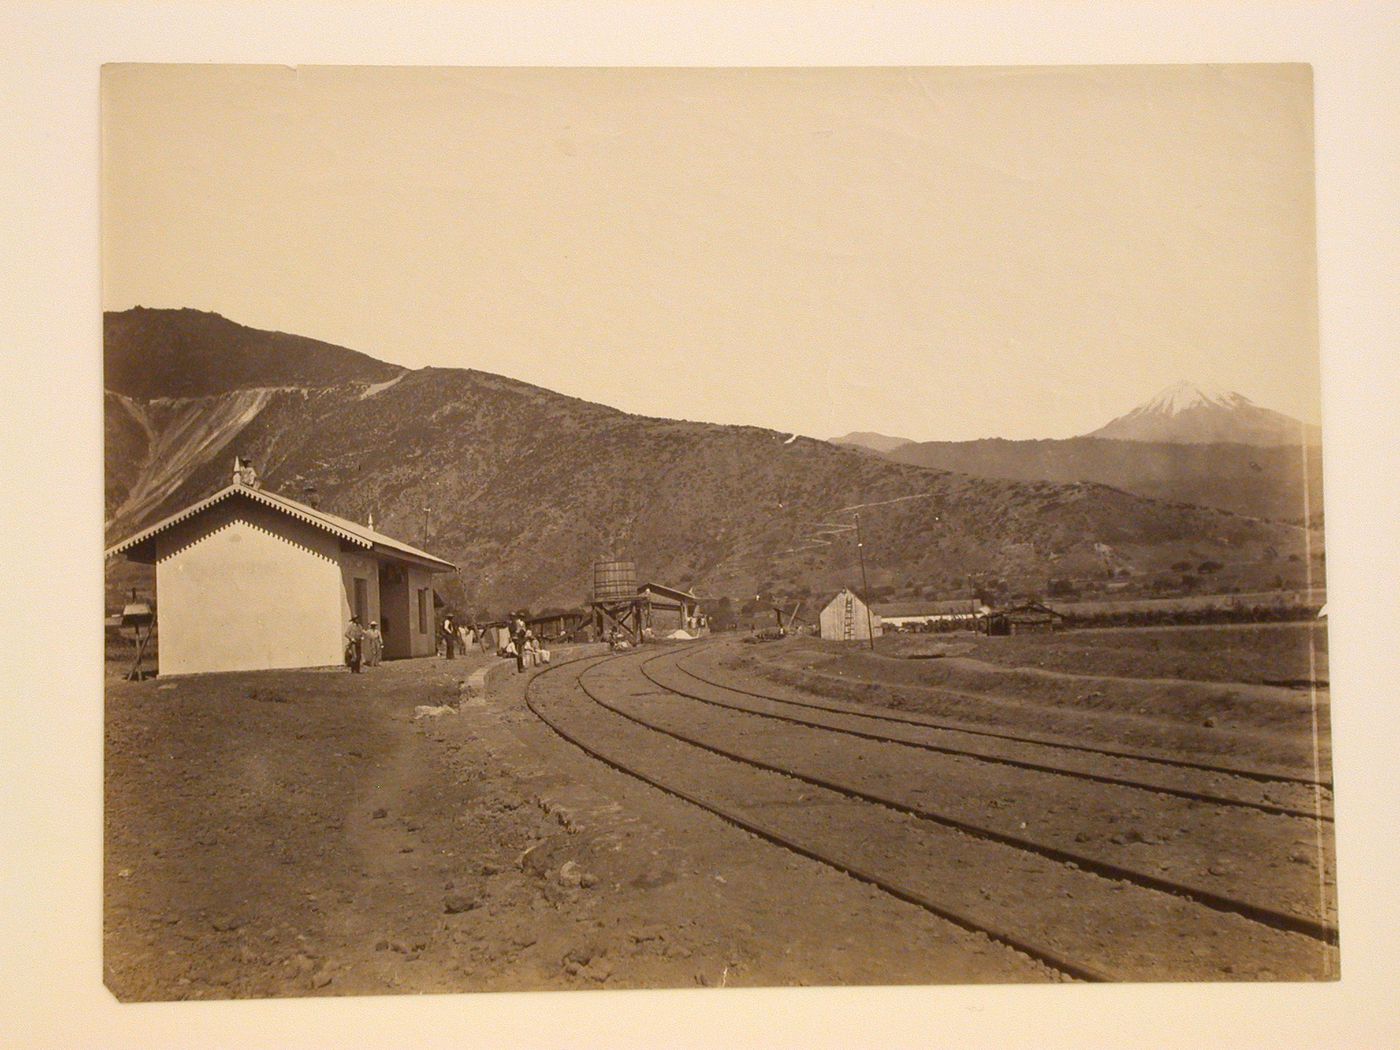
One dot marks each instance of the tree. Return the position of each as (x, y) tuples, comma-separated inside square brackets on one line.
[(722, 616)]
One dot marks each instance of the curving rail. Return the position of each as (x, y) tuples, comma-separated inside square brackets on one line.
[(1050, 954)]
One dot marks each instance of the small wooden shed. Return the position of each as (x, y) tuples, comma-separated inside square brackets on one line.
[(568, 625), (847, 618), (668, 608), (1026, 618)]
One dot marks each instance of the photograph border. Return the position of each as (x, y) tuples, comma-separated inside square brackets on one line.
[(52, 751)]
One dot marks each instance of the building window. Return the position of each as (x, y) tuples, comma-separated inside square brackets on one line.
[(423, 610)]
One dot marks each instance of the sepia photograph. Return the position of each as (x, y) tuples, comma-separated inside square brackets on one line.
[(586, 529)]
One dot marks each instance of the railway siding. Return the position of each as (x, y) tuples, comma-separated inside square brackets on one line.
[(1236, 860), (1246, 788), (1083, 923)]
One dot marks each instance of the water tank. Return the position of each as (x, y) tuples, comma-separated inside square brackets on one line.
[(614, 580)]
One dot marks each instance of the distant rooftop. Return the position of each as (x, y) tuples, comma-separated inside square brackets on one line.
[(945, 607)]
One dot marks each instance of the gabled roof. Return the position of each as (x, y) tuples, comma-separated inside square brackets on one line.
[(855, 594), (351, 532)]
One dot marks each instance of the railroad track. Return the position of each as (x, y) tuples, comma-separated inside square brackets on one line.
[(1069, 911), (905, 729), (1260, 913), (1268, 776)]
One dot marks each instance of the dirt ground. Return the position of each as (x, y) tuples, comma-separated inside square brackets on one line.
[(303, 833), (316, 833)]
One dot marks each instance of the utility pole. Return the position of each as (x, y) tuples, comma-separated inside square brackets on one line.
[(865, 586), (426, 511)]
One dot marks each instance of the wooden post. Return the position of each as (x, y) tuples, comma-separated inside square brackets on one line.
[(134, 675), (865, 586)]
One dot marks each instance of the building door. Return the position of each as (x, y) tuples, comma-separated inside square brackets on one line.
[(362, 600), (394, 612)]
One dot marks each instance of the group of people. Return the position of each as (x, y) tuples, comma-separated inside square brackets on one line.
[(524, 646), (521, 641), (454, 637), (364, 646)]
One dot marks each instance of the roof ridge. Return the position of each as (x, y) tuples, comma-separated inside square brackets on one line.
[(345, 528)]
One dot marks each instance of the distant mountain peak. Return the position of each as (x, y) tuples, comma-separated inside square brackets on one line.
[(867, 439), (1185, 395), (1186, 413)]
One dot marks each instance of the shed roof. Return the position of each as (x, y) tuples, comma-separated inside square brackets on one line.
[(1030, 611), (350, 531), (947, 607), (669, 592), (567, 614)]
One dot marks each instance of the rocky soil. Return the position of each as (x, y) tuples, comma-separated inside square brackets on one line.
[(312, 833)]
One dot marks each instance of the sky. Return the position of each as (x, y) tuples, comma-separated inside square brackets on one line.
[(932, 253)]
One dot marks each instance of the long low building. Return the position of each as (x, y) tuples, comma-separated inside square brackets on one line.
[(248, 579), (953, 610)]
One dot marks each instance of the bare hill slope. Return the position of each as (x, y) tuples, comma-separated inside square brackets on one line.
[(189, 353), (1281, 482), (525, 487)]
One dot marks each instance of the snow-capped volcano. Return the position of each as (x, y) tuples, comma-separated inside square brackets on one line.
[(1184, 413), (1179, 397)]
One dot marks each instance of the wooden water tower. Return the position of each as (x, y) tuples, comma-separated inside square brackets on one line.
[(615, 601)]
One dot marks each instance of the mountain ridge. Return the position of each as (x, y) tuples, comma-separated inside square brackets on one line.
[(1281, 483), (153, 352), (525, 488)]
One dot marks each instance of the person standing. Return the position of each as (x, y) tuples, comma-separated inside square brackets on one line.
[(374, 645), (517, 637), (354, 641), (449, 636)]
